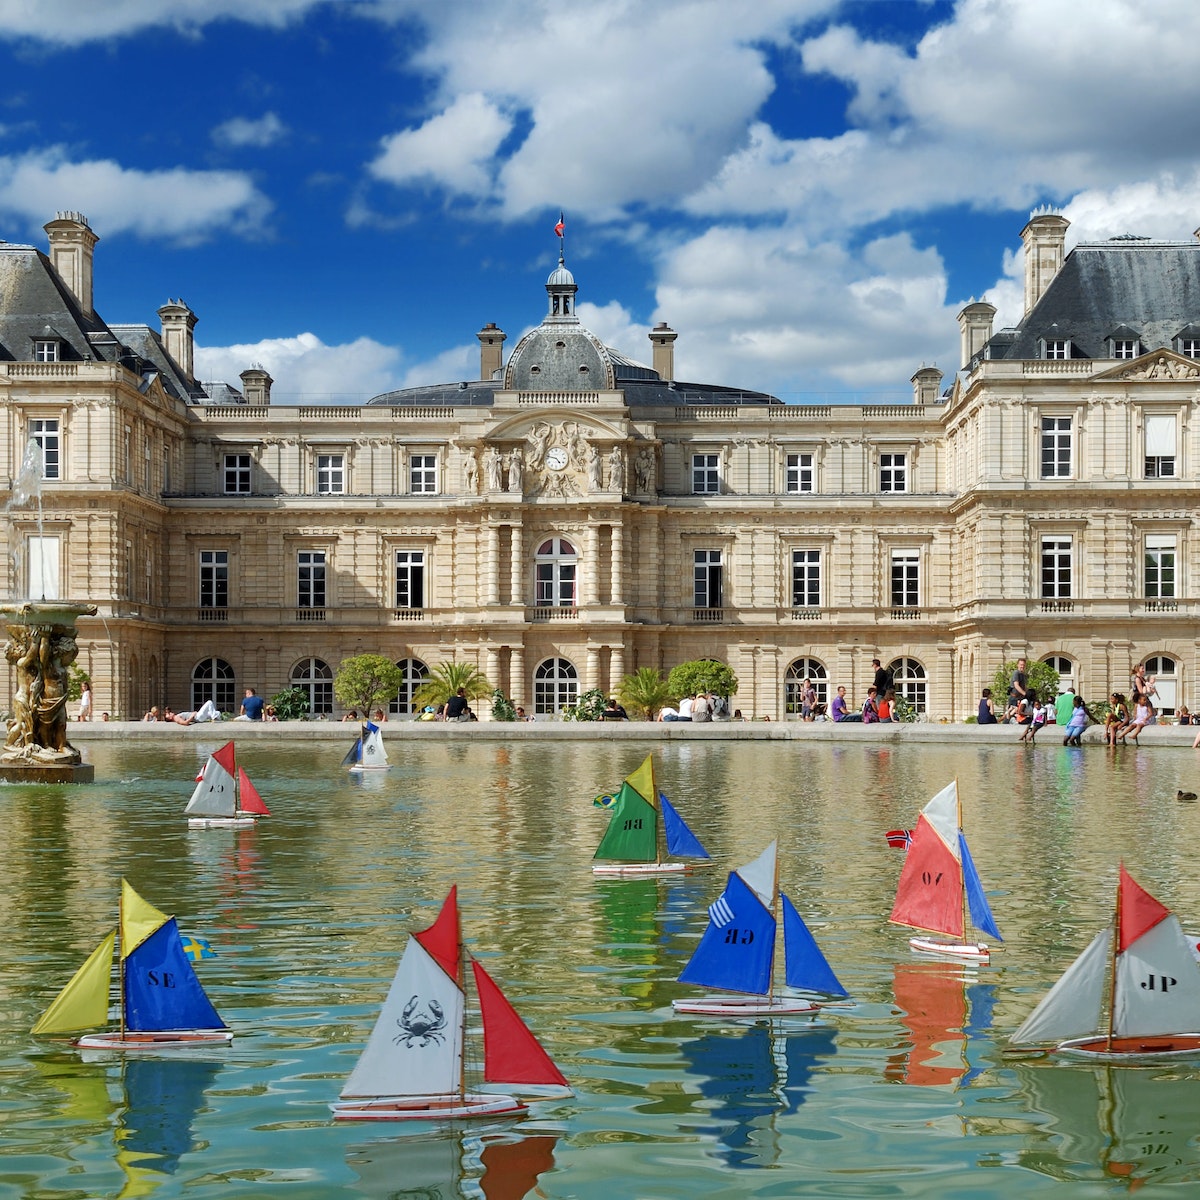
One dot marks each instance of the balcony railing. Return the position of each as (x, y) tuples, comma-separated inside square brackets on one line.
[(1161, 606), (212, 614), (708, 616), (1058, 606), (804, 613), (310, 614), (550, 612), (409, 614), (904, 613)]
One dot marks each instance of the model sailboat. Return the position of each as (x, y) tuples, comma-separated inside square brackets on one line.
[(367, 753), (163, 1005), (1145, 964), (224, 794), (630, 845), (737, 950), (413, 1065), (939, 885)]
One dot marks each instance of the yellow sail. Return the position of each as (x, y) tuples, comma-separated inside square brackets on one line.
[(138, 920), (83, 1003), (642, 780)]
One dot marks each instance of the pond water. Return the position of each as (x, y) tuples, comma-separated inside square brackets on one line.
[(906, 1093)]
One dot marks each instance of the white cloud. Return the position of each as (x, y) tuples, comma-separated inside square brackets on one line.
[(453, 149), (613, 324), (242, 131), (71, 23), (181, 205), (305, 369), (450, 366)]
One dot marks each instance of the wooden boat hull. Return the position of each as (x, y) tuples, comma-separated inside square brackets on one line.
[(470, 1105), (745, 1006), (976, 952), (221, 822), (640, 870), (171, 1039), (1133, 1051)]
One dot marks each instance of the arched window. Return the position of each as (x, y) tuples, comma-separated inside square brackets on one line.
[(313, 676), (213, 679), (555, 685), (1065, 668), (908, 679), (555, 564), (1163, 671), (415, 674), (793, 684)]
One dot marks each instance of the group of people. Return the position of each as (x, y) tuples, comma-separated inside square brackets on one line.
[(703, 706), (254, 708), (879, 704)]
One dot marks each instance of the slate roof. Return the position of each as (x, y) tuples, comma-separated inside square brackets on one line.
[(146, 345), (1150, 288)]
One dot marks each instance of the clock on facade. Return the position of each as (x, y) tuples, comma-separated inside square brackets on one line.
[(556, 458)]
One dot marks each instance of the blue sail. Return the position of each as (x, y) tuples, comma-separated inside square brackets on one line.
[(354, 754), (805, 967), (736, 950), (161, 989), (981, 911), (681, 841)]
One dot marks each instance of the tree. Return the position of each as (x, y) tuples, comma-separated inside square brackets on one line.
[(291, 704), (367, 681), (502, 707), (702, 675), (589, 707), (644, 693), (444, 681), (1040, 677), (75, 681)]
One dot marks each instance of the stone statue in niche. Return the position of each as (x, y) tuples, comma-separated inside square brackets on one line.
[(616, 470), (470, 469), (515, 470), (595, 480), (643, 467), (492, 466)]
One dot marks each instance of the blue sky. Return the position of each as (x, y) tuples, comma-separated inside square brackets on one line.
[(806, 191)]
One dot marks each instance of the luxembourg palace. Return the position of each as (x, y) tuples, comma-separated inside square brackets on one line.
[(572, 514)]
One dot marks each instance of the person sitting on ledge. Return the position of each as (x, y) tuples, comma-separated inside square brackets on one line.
[(208, 711), (152, 715)]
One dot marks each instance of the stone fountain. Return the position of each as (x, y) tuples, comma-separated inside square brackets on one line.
[(41, 646)]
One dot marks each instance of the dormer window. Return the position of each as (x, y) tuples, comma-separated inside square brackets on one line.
[(1189, 347), (1125, 348), (1058, 348), (45, 350)]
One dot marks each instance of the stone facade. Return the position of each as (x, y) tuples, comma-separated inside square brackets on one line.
[(573, 515)]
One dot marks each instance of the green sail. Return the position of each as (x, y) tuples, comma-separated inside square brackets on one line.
[(632, 832)]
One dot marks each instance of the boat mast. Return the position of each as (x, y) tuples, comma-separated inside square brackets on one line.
[(966, 912), (462, 983), (775, 916), (1112, 976), (121, 956), (659, 830)]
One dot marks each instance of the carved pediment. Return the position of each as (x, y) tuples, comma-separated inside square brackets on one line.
[(1159, 366)]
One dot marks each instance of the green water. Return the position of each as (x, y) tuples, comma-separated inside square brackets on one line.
[(907, 1093)]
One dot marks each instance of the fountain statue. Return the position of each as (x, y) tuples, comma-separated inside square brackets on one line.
[(41, 646)]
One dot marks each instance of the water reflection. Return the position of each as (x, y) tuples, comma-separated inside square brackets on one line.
[(453, 1166), (1127, 1124), (752, 1078)]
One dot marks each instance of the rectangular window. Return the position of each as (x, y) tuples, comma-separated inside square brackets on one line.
[(45, 350), (310, 579), (147, 469), (709, 584), (706, 474), (806, 578), (237, 474), (1058, 349), (1160, 446), (1124, 348), (46, 434), (44, 581), (331, 474), (410, 578), (893, 472), (906, 579), (1056, 447), (1160, 568), (214, 578), (799, 472), (422, 474), (1056, 568), (1189, 347)]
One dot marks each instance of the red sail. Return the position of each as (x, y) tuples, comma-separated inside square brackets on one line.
[(930, 892), (248, 798), (442, 939), (511, 1054), (1140, 912)]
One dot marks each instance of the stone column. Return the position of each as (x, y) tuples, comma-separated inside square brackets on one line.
[(589, 584), (617, 592), (515, 566), (491, 584), (591, 677), (616, 667), (516, 675), (491, 665)]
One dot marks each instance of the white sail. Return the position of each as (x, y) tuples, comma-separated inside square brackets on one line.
[(1157, 984), (373, 753), (942, 813), (759, 875), (415, 1048), (1071, 1008), (215, 794)]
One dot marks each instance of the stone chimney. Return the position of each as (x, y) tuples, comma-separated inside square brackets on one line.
[(491, 350), (178, 321), (256, 385), (662, 338), (1045, 241), (927, 384), (974, 329), (72, 243)]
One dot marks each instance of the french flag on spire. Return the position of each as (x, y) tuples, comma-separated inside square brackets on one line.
[(558, 229)]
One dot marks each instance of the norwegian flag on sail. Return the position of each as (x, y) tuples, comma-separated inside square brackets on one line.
[(899, 839)]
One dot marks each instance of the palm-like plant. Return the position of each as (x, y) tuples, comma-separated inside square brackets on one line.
[(644, 693), (444, 681)]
